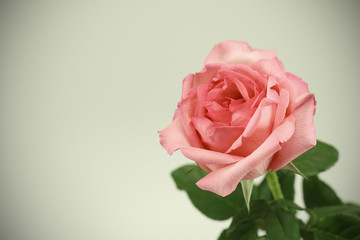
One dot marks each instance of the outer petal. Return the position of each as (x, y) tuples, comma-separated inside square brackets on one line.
[(270, 67), (295, 85), (304, 136), (246, 72), (187, 85), (223, 181), (192, 81), (237, 52), (186, 112), (203, 156), (173, 137)]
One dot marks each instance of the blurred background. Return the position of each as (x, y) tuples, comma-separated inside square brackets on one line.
[(86, 85)]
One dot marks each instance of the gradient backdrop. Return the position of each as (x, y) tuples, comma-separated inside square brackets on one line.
[(86, 85)]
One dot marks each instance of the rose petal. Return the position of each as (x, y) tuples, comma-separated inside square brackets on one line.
[(295, 85), (201, 95), (217, 113), (216, 138), (192, 81), (304, 136), (243, 84), (186, 112), (203, 156), (187, 85), (261, 131), (282, 107), (224, 181), (237, 52), (271, 93), (253, 123), (216, 95), (173, 137), (246, 74), (242, 117), (270, 67)]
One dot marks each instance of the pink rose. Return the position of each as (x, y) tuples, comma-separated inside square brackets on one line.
[(241, 116)]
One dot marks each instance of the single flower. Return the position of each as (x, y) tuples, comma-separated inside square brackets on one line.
[(241, 116)]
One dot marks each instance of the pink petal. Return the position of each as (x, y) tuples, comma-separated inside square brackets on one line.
[(234, 74), (252, 124), (187, 85), (216, 95), (246, 73), (224, 181), (282, 107), (304, 136), (201, 95), (237, 52), (271, 93), (244, 84), (216, 138), (186, 112), (217, 113), (242, 117), (270, 67), (173, 137), (203, 156), (192, 81), (295, 85), (262, 130)]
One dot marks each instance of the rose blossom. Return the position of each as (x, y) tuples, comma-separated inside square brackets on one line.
[(241, 116)]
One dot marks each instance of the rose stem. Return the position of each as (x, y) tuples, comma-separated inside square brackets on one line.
[(274, 185)]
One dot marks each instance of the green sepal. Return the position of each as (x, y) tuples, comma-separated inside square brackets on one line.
[(292, 168), (247, 187)]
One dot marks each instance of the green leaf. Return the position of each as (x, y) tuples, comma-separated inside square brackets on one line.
[(223, 235), (210, 204), (317, 159), (244, 225), (319, 194), (283, 203), (338, 227), (281, 225), (350, 210), (287, 180), (244, 231), (247, 186), (258, 209), (306, 235), (304, 232)]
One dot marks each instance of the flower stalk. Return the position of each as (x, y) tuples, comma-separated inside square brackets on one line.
[(274, 185)]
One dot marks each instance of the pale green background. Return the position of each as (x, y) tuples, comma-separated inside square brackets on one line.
[(86, 85)]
